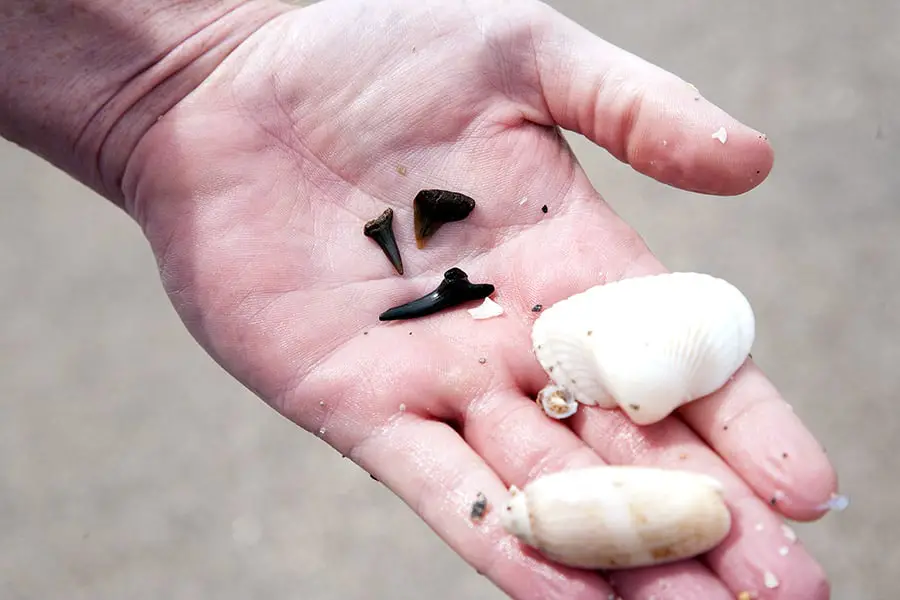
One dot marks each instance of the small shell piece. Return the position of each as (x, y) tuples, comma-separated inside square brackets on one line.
[(646, 344), (614, 517), (557, 402), (486, 310)]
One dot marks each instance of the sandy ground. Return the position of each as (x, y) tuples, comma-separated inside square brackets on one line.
[(133, 467)]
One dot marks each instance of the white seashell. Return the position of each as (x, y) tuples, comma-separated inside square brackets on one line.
[(646, 344), (486, 310), (612, 517), (557, 402), (720, 135)]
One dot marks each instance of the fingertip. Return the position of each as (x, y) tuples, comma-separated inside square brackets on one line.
[(814, 493), (689, 143)]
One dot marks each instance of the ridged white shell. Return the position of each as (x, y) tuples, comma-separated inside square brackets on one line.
[(646, 344), (614, 517)]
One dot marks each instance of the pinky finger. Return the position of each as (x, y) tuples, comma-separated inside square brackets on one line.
[(431, 468)]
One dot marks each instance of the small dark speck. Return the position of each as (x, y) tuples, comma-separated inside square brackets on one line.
[(365, 333), (482, 360), (537, 308), (373, 477), (544, 209), (784, 455), (410, 333), (773, 501), (590, 332), (479, 507), (725, 427), (551, 368), (635, 406), (758, 171)]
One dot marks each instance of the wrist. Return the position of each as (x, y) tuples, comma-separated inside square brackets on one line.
[(82, 81)]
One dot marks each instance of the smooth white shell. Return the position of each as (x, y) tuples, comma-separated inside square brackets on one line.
[(613, 517), (646, 344)]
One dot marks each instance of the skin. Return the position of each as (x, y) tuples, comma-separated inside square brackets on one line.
[(265, 136)]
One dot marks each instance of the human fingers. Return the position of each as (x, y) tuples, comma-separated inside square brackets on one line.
[(749, 422), (753, 556), (752, 428), (438, 475), (746, 423), (745, 558), (643, 115), (521, 443)]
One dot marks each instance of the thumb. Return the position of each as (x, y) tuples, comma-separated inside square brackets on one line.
[(643, 115)]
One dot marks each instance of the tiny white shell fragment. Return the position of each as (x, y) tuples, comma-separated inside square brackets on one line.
[(557, 402), (770, 580), (646, 344), (720, 135), (789, 533), (614, 517), (486, 310)]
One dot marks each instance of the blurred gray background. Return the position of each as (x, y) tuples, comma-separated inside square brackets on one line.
[(132, 467)]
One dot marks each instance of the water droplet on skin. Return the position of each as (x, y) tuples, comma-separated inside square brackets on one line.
[(837, 503), (321, 431)]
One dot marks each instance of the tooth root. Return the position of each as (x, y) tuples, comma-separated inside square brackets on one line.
[(432, 208), (381, 229)]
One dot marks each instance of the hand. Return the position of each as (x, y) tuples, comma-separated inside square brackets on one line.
[(253, 192)]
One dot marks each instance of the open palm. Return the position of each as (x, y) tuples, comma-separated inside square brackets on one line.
[(253, 192)]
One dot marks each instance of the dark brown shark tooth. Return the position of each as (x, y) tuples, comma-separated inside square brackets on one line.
[(455, 289), (433, 208), (381, 229)]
